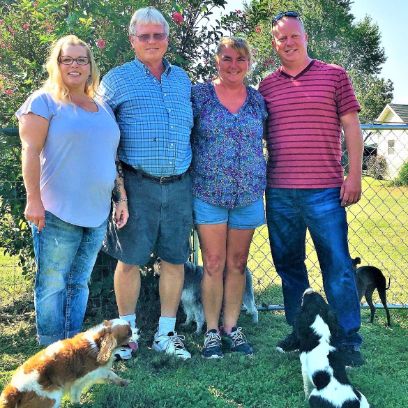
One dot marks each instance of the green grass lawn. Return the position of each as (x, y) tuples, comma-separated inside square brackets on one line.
[(378, 234), (269, 380)]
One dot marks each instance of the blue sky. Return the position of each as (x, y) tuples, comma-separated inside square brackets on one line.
[(392, 19)]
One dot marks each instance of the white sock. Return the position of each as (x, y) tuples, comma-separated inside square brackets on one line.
[(166, 325), (131, 318)]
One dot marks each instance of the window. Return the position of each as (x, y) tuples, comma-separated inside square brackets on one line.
[(391, 146)]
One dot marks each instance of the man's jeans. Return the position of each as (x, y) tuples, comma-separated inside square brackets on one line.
[(289, 213), (65, 255)]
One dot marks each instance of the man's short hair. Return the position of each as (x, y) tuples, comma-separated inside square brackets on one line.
[(147, 15)]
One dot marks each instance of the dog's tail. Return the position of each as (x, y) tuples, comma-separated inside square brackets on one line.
[(389, 284), (10, 397)]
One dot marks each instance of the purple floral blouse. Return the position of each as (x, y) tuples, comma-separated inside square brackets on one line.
[(228, 167)]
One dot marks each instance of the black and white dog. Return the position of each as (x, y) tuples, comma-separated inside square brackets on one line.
[(324, 375), (191, 296)]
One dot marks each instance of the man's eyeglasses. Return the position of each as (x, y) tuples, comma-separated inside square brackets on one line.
[(148, 37), (70, 60), (282, 14)]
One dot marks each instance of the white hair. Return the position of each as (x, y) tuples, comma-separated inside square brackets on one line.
[(147, 15)]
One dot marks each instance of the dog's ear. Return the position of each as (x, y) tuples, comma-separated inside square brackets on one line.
[(332, 323), (108, 344), (355, 262), (301, 325)]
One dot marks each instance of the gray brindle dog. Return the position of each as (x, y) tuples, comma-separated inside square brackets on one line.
[(191, 296)]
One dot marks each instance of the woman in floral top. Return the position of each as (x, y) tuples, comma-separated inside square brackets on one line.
[(229, 179)]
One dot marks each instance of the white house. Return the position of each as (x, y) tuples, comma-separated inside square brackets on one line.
[(393, 143)]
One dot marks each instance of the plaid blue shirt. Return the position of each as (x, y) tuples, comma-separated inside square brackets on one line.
[(155, 117)]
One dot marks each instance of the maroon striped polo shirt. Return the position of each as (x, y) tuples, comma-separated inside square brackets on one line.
[(304, 130)]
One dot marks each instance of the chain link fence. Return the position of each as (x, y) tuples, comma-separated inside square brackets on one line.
[(378, 228), (378, 223)]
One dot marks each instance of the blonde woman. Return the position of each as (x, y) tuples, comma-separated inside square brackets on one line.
[(69, 143)]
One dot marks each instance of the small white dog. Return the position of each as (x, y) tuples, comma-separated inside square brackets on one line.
[(191, 296), (324, 375), (68, 367)]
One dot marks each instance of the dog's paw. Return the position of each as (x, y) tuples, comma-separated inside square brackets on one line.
[(123, 382)]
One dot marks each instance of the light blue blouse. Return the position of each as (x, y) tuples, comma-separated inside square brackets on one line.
[(77, 161)]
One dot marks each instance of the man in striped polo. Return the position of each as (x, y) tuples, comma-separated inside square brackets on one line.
[(309, 102), (151, 101)]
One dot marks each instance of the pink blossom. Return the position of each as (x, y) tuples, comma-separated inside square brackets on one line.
[(11, 31), (1, 21), (35, 4), (177, 17), (258, 29), (101, 43), (25, 26), (8, 91), (48, 27)]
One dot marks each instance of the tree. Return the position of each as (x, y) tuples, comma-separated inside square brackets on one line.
[(333, 36), (27, 28)]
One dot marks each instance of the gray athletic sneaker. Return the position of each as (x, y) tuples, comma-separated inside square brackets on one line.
[(212, 345), (237, 342)]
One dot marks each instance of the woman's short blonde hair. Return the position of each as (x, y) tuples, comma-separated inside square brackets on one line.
[(238, 44), (54, 84)]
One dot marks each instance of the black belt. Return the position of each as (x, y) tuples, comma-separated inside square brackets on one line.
[(156, 179)]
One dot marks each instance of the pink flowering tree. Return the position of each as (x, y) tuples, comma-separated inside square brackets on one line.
[(27, 28)]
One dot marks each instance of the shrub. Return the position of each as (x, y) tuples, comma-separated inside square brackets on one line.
[(27, 28), (377, 167), (402, 179)]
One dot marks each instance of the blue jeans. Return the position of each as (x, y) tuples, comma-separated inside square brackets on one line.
[(289, 212), (65, 255)]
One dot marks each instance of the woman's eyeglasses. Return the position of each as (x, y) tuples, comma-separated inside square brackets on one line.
[(70, 60)]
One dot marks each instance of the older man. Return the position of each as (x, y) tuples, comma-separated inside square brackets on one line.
[(309, 102), (151, 101)]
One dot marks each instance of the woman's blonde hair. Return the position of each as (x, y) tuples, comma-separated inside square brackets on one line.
[(236, 43), (54, 84)]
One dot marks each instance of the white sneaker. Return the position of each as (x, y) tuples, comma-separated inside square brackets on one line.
[(171, 344), (125, 352)]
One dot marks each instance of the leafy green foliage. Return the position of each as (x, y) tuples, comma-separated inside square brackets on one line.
[(15, 235), (27, 28), (377, 167), (333, 36), (402, 179)]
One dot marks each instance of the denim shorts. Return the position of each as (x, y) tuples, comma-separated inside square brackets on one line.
[(248, 217), (65, 255), (160, 222)]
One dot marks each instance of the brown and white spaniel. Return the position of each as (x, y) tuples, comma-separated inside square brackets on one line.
[(68, 367)]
